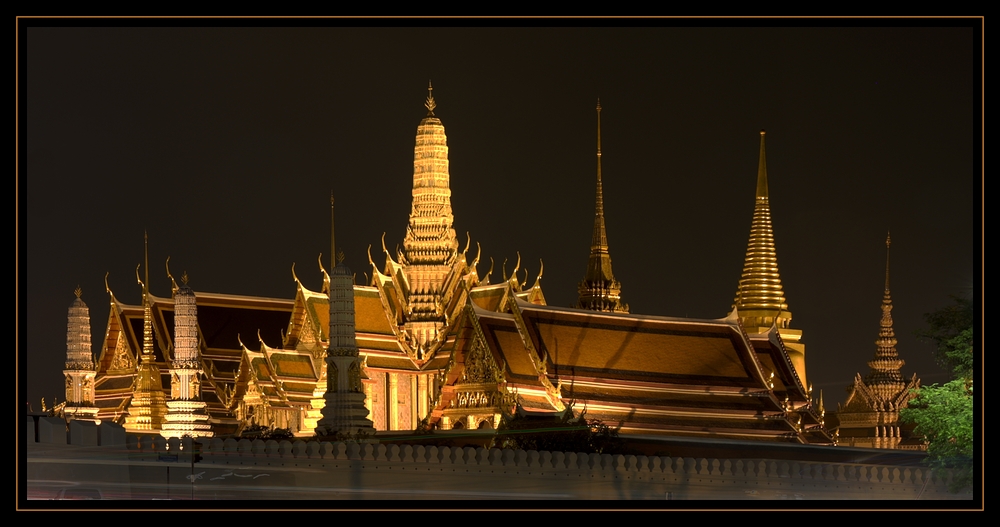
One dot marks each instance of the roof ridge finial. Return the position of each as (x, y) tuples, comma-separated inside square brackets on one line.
[(762, 170), (170, 276), (430, 104)]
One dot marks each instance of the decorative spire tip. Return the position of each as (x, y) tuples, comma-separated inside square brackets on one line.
[(78, 291), (430, 104), (184, 277)]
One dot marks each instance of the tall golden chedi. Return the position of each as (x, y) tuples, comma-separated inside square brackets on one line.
[(599, 291), (148, 406), (80, 370), (187, 414), (760, 300), (870, 417)]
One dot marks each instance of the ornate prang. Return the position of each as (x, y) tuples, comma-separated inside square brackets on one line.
[(187, 414), (79, 369)]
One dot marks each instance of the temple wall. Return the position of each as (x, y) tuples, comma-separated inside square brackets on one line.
[(244, 469)]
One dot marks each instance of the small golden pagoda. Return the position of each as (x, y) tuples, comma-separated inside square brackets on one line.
[(148, 407), (870, 416), (599, 291), (760, 300)]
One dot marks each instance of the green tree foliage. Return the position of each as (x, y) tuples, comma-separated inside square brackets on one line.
[(567, 433), (943, 414)]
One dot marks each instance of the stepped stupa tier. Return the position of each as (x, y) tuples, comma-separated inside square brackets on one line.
[(599, 290), (760, 300)]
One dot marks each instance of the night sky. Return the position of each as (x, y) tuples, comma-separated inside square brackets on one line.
[(225, 143)]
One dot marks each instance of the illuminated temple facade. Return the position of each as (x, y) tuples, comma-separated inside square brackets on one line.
[(437, 345)]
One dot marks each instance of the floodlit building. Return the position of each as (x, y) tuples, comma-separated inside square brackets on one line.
[(434, 344)]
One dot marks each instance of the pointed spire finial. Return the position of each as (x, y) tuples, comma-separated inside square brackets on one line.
[(430, 104), (340, 256), (78, 292), (598, 136), (762, 170), (333, 244), (184, 278), (888, 241)]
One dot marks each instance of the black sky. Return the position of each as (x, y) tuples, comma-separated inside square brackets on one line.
[(224, 144)]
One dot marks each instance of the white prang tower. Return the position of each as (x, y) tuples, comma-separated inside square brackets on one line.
[(187, 414), (79, 370), (345, 411)]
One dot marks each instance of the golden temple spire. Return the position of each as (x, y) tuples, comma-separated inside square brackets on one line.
[(760, 299), (333, 244), (430, 238), (147, 407), (885, 375), (759, 294), (599, 291), (762, 170)]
